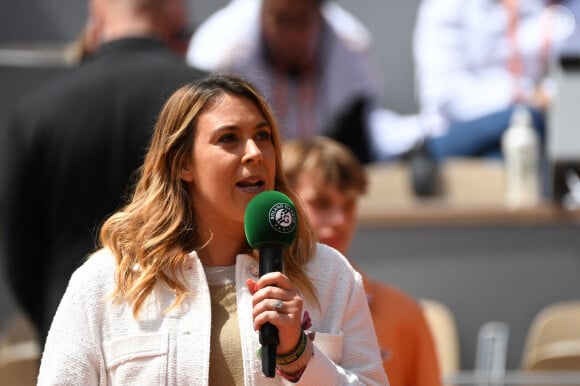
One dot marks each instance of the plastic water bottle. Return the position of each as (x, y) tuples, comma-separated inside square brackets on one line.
[(492, 348), (521, 150)]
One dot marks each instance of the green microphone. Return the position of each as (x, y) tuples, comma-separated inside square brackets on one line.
[(270, 224)]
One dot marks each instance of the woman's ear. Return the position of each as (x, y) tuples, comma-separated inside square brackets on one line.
[(186, 173)]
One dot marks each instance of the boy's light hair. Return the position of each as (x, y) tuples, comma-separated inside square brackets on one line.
[(326, 161)]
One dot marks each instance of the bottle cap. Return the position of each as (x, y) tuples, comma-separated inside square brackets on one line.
[(521, 116)]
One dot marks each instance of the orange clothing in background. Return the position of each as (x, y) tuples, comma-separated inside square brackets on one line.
[(405, 340)]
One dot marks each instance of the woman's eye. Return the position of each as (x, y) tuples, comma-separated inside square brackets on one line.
[(227, 138), (263, 135)]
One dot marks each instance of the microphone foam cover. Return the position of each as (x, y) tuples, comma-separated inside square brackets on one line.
[(270, 218)]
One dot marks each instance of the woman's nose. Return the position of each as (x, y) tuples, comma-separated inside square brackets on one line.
[(252, 152)]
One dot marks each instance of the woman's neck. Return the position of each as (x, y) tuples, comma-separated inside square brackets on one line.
[(221, 250)]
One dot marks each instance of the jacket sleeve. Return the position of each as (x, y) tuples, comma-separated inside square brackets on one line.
[(71, 355), (427, 371), (351, 355)]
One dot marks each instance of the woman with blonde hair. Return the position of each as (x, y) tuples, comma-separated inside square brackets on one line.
[(174, 295)]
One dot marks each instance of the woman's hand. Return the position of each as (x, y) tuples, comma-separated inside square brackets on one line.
[(275, 300)]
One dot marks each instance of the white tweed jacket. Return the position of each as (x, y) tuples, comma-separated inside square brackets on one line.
[(93, 342)]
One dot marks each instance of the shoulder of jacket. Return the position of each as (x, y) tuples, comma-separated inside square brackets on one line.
[(330, 262), (97, 267)]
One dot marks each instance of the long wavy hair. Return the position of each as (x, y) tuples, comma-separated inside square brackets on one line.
[(153, 234)]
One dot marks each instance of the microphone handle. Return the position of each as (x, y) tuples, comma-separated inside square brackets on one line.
[(271, 260)]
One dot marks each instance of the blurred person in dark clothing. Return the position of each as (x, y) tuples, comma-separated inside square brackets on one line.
[(73, 144), (179, 32), (176, 34)]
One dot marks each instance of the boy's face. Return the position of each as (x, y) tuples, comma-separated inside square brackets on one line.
[(331, 211)]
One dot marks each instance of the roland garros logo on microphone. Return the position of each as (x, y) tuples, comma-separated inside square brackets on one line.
[(282, 217)]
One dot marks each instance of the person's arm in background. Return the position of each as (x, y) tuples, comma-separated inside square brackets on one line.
[(428, 371), (449, 80), (22, 221), (216, 39)]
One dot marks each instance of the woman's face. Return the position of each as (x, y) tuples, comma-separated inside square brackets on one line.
[(232, 160), (331, 211)]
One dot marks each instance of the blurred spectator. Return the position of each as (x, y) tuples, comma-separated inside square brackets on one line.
[(329, 180), (475, 60), (176, 34), (84, 45), (314, 62), (74, 143)]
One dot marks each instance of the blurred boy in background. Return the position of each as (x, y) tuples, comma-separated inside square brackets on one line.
[(330, 180)]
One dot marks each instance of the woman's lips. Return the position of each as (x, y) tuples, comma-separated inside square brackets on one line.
[(251, 186)]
